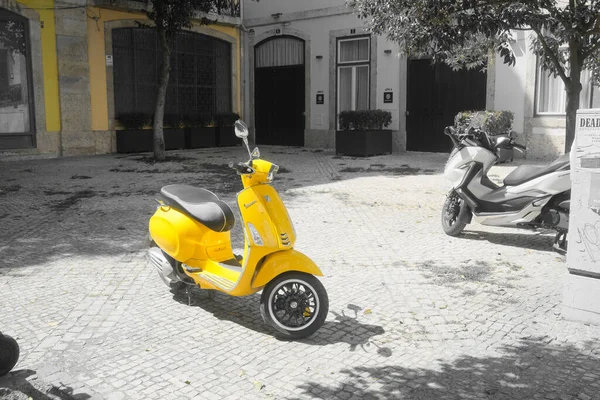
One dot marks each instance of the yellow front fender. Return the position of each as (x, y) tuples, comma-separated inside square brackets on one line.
[(277, 263)]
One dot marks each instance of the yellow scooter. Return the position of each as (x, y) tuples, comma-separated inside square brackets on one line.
[(191, 228)]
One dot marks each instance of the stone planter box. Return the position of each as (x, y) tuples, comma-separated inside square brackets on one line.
[(226, 137), (141, 140), (363, 143), (200, 137)]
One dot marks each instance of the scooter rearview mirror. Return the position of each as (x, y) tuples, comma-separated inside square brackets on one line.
[(241, 129)]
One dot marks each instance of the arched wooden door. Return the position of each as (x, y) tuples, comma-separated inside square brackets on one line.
[(279, 91)]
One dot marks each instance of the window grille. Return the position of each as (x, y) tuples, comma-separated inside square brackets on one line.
[(199, 82)]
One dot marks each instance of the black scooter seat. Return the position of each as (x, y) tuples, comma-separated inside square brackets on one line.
[(525, 173), (200, 204)]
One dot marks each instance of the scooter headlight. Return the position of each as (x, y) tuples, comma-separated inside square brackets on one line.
[(272, 172)]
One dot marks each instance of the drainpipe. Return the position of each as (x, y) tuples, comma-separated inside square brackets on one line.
[(243, 65)]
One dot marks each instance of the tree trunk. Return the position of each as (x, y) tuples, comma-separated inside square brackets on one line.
[(572, 107), (159, 111), (573, 89)]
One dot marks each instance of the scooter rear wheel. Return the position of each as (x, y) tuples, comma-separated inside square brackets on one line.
[(9, 354), (295, 304), (450, 223)]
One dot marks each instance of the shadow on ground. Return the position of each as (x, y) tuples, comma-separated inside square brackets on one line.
[(528, 370), (245, 312), (538, 242), (466, 275), (24, 384), (99, 206)]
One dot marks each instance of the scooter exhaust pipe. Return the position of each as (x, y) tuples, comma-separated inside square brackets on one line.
[(157, 259)]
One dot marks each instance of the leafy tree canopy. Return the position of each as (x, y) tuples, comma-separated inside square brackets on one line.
[(462, 33), (12, 36)]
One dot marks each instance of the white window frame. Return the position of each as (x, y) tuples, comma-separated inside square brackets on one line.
[(354, 39), (544, 74), (354, 65), (353, 88)]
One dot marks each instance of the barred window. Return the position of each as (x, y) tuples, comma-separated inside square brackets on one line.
[(200, 79)]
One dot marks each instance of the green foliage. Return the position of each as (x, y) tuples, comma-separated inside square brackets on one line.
[(171, 16), (491, 122), (462, 33), (364, 120), (134, 120), (197, 120), (12, 36), (11, 95), (173, 120), (226, 119)]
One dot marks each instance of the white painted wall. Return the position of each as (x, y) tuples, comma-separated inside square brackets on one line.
[(510, 83), (264, 8), (391, 74), (318, 30)]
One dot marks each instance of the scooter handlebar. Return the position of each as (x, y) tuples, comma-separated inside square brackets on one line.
[(241, 168), (519, 147)]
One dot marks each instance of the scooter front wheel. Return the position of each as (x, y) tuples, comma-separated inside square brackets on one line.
[(9, 353), (295, 304), (450, 223)]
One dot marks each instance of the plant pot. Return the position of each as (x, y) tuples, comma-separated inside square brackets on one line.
[(142, 140), (199, 137), (226, 136), (363, 143), (134, 140), (174, 138)]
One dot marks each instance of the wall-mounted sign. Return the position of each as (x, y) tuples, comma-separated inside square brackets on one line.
[(109, 60), (320, 98), (388, 97)]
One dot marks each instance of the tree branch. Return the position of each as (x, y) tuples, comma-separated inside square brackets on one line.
[(591, 50), (553, 57)]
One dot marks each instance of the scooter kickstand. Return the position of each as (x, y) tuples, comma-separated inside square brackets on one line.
[(188, 291), (560, 243)]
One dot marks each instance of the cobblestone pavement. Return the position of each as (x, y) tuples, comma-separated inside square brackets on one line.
[(414, 314)]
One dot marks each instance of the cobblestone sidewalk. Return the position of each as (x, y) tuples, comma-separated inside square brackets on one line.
[(414, 314)]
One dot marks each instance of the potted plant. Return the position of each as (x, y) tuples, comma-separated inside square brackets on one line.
[(362, 133), (137, 136), (174, 132), (225, 132), (200, 131), (136, 133), (494, 123)]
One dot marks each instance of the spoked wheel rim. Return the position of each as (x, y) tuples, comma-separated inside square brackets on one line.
[(452, 209), (294, 305)]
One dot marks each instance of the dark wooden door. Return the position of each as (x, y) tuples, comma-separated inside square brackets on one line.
[(279, 106), (435, 95)]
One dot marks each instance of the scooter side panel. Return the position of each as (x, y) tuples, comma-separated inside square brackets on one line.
[(457, 165), (553, 183), (262, 207), (184, 238)]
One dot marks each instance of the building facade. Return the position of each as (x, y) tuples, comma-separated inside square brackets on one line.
[(70, 69), (347, 68)]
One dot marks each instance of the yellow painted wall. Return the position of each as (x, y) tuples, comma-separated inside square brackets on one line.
[(49, 61), (97, 60)]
